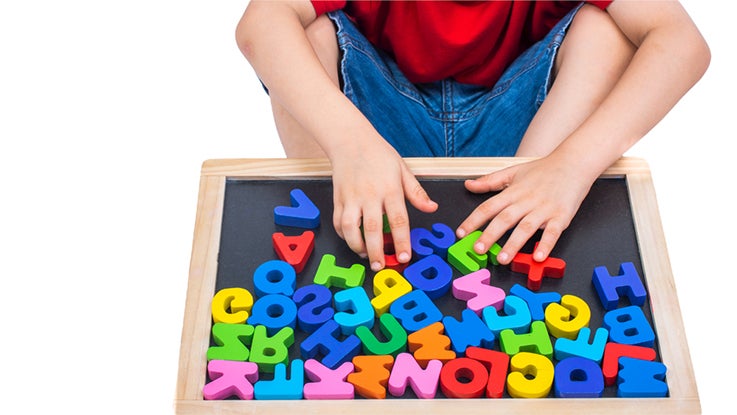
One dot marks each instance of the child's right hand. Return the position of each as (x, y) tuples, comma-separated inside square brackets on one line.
[(371, 180)]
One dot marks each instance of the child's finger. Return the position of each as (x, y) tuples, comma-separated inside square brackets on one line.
[(350, 224), (482, 214), (416, 194), (505, 220), (398, 219), (491, 182), (552, 232), (522, 233), (373, 225), (337, 220)]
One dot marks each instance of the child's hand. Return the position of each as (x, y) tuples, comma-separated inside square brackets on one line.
[(371, 182), (540, 194)]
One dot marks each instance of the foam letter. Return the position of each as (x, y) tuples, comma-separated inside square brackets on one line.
[(430, 343), (531, 376), (231, 341), (391, 329), (437, 241), (294, 250), (331, 275), (415, 310), (388, 286), (463, 378), (353, 309), (371, 375), (470, 331), (328, 383), (274, 311), (538, 339), (430, 274), (517, 318), (274, 277), (238, 300), (406, 370), (475, 289), (611, 288), (314, 304), (325, 341), (267, 351), (536, 301), (280, 387), (628, 325), (301, 214), (230, 378), (462, 256), (568, 317), (577, 377), (641, 378)]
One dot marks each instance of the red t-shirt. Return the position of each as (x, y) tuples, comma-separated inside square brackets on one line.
[(472, 42)]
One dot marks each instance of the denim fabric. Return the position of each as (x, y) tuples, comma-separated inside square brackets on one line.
[(445, 118)]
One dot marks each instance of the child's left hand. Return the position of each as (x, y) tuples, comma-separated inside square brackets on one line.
[(540, 194)]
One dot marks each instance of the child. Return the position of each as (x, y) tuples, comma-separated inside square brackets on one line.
[(366, 83)]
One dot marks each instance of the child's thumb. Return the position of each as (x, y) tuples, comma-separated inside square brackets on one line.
[(416, 194)]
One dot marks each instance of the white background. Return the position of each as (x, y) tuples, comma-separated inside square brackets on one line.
[(108, 109)]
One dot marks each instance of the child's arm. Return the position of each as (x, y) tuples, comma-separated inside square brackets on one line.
[(671, 57), (369, 176)]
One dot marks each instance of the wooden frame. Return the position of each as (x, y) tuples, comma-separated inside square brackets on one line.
[(203, 268)]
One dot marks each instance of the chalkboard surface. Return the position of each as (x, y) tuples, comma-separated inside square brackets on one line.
[(601, 234)]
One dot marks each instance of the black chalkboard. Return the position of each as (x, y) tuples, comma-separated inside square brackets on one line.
[(601, 234)]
